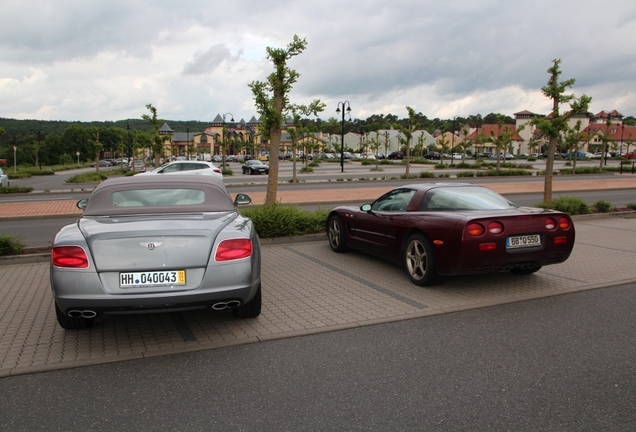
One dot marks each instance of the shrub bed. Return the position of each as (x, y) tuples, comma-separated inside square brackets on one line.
[(569, 205), (511, 172), (282, 220), (15, 189), (10, 245)]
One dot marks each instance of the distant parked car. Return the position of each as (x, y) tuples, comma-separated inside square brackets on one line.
[(255, 166), (630, 155), (502, 156), (187, 167), (3, 162), (577, 155), (137, 165), (432, 156), (599, 155), (4, 179), (103, 163), (395, 155)]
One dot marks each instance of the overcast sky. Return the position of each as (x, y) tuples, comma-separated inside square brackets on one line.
[(193, 59)]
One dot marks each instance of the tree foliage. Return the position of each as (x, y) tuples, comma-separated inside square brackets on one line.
[(555, 125), (272, 103)]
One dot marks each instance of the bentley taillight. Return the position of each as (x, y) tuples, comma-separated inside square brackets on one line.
[(69, 257), (233, 249)]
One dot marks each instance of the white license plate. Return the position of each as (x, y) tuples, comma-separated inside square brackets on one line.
[(523, 241), (152, 278)]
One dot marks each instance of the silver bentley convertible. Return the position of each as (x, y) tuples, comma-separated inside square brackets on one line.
[(152, 244)]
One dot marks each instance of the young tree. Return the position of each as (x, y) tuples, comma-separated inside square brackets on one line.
[(605, 139), (554, 125), (503, 138), (572, 138), (96, 147), (407, 131), (272, 102), (157, 143)]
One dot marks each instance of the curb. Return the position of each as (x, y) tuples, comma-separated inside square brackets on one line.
[(45, 257)]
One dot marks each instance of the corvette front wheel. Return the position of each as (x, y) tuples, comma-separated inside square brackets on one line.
[(419, 261), (336, 234)]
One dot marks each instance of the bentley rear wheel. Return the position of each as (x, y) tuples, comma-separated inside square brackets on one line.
[(336, 235), (419, 261), (251, 309)]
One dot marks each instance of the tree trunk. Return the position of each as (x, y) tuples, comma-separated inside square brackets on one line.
[(549, 167)]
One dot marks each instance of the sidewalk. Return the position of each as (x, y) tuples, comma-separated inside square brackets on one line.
[(317, 291), (353, 194)]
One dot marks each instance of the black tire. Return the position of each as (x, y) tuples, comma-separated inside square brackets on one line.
[(419, 261), (336, 234), (251, 309), (526, 271), (252, 172), (70, 323)]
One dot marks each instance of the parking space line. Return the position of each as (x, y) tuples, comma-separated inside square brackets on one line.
[(370, 284)]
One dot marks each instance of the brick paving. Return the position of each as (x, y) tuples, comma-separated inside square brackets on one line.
[(307, 289)]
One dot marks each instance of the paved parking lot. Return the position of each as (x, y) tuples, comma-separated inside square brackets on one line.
[(306, 289)]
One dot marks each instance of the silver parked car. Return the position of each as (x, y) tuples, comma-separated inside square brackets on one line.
[(185, 167), (152, 244), (4, 179)]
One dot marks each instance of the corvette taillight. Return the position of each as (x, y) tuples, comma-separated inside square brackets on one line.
[(69, 257), (233, 249), (564, 223), (475, 229), (550, 224), (495, 228)]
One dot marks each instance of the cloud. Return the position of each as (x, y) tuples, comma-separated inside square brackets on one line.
[(208, 61), (104, 60)]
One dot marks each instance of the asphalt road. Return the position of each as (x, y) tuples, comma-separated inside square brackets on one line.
[(326, 172), (560, 363), (41, 232)]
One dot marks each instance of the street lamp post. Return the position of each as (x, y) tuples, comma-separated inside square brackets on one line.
[(346, 106), (223, 149), (453, 143), (130, 152)]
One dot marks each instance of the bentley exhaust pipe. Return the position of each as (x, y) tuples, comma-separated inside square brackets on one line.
[(82, 313), (226, 305)]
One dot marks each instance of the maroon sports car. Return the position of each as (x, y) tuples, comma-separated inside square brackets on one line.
[(438, 229)]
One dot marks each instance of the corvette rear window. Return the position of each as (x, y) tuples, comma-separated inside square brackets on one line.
[(464, 198)]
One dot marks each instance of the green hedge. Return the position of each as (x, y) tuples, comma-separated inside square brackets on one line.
[(512, 172), (10, 245), (283, 220), (15, 189), (569, 205)]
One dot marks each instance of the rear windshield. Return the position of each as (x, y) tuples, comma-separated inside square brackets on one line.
[(111, 201), (156, 197), (464, 198)]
